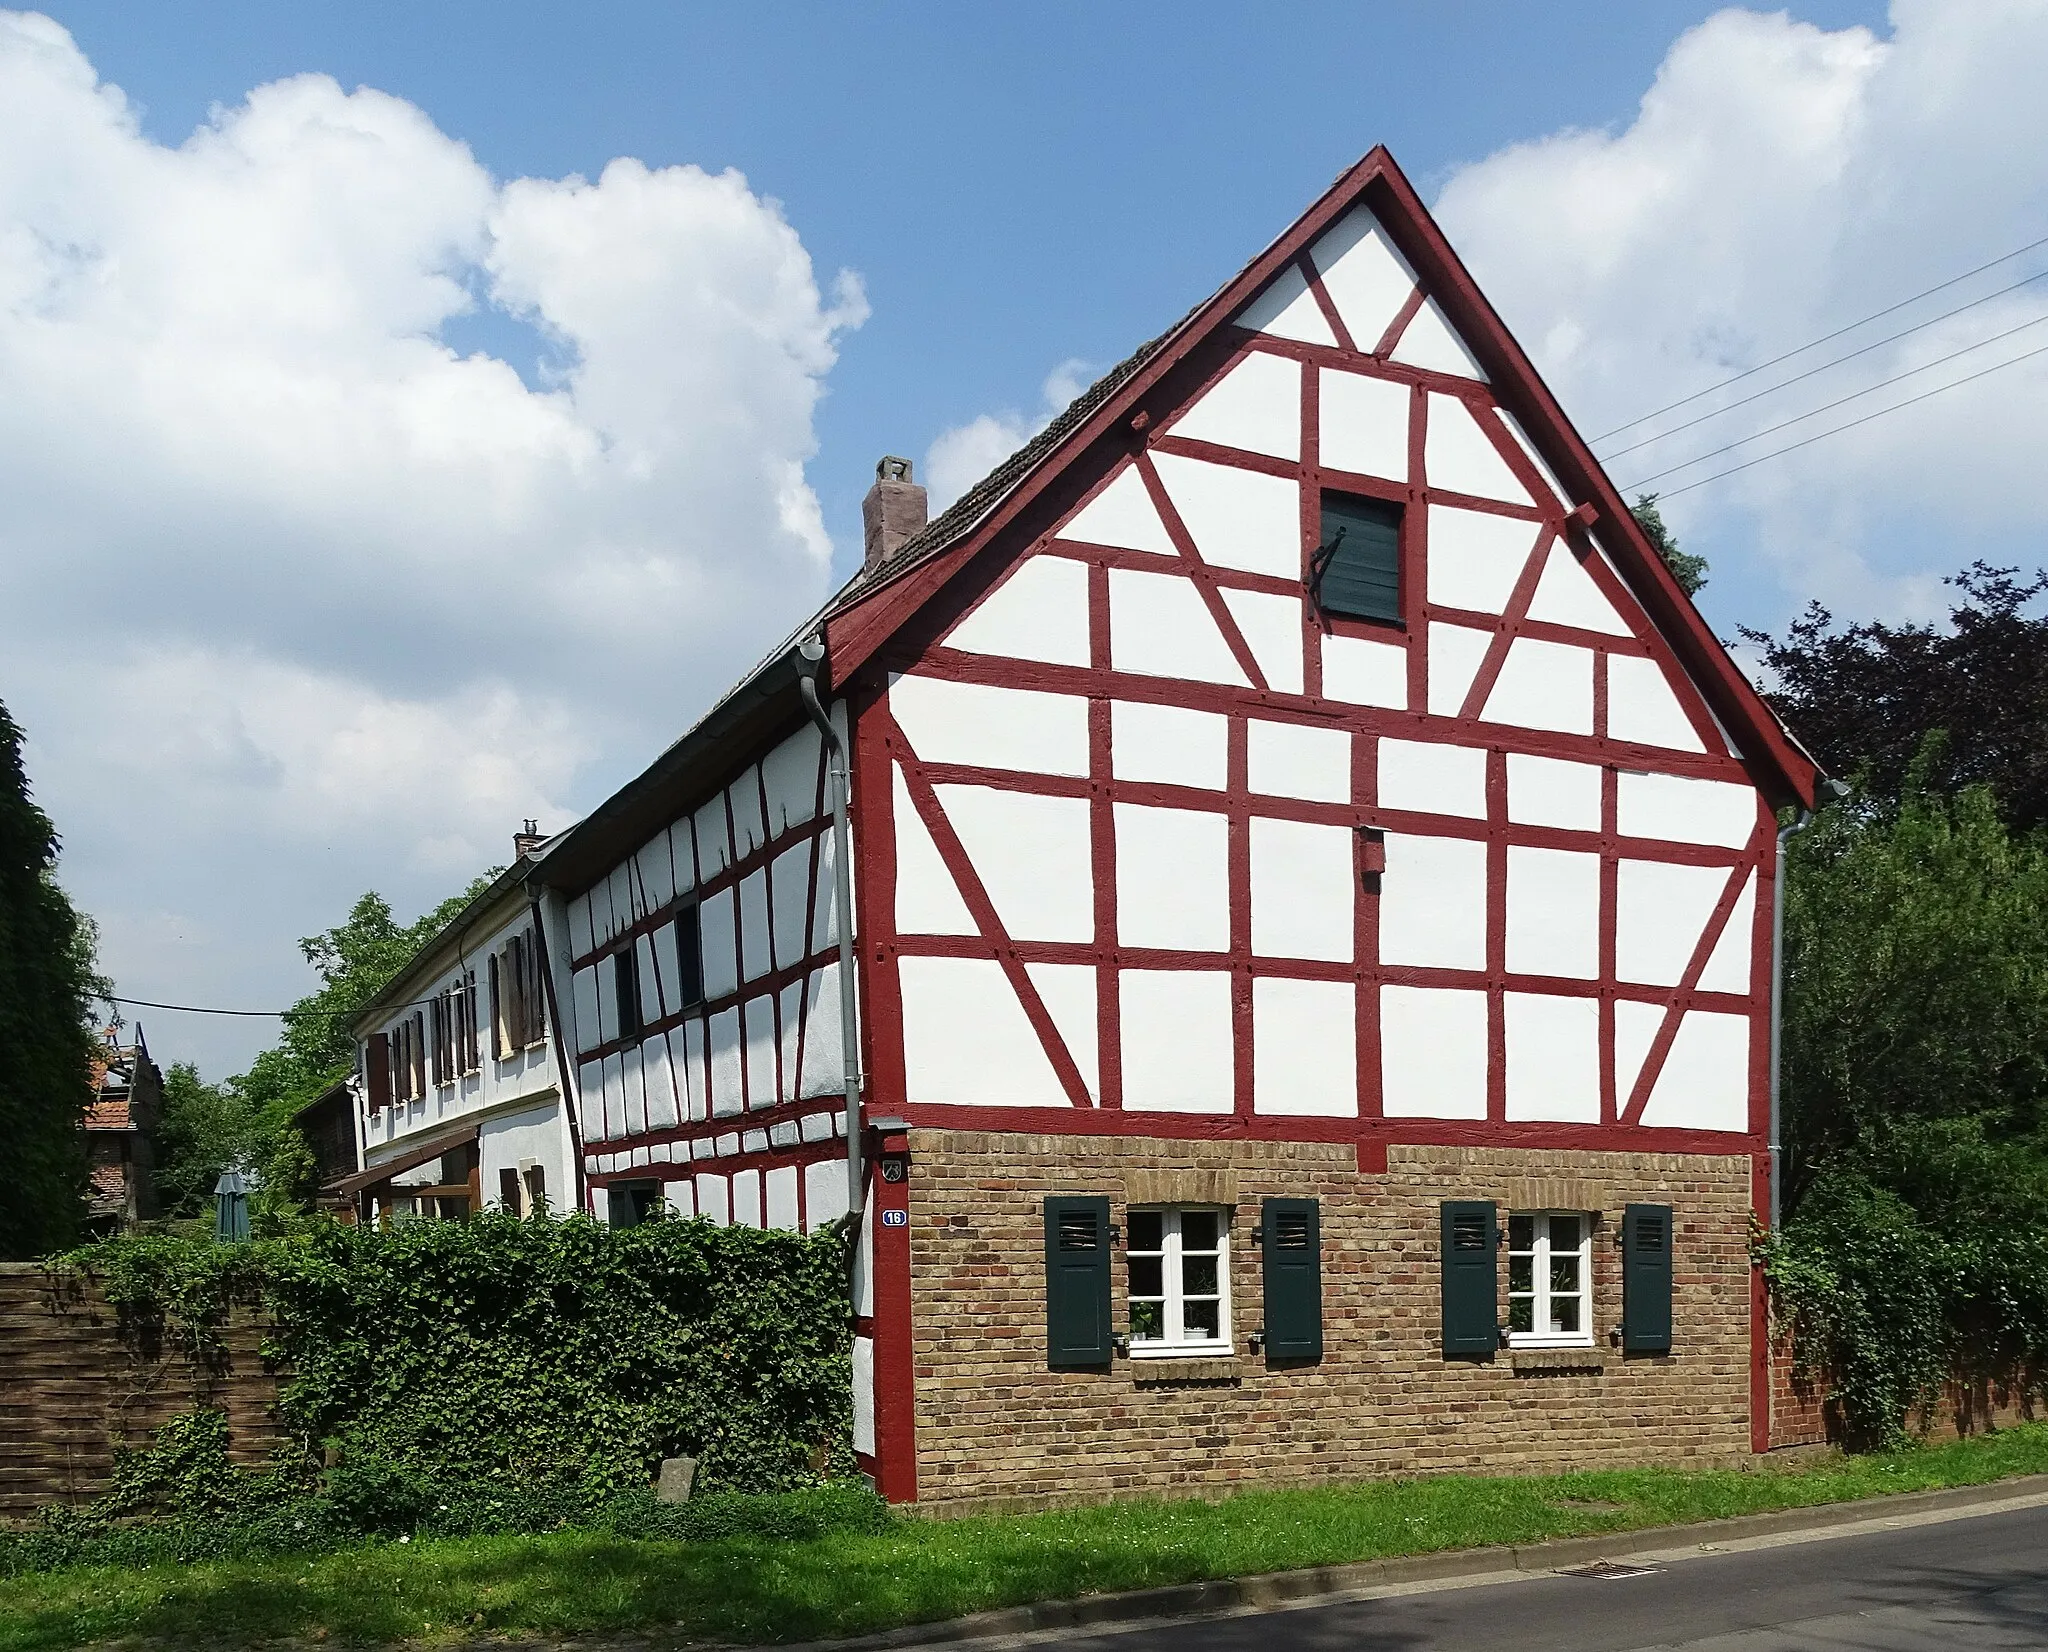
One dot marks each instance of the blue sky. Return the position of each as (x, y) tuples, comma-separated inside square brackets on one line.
[(406, 487), (1016, 186)]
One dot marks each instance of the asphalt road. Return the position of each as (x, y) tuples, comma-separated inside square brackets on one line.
[(1979, 1582)]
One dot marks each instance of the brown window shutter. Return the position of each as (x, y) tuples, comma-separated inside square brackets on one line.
[(377, 1074), (516, 949), (508, 1191), (536, 992), (501, 1001)]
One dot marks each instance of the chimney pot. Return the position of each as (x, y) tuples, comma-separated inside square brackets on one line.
[(893, 513), (525, 842)]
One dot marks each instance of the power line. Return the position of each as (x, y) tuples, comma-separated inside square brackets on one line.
[(1812, 344), (1672, 493), (1843, 401), (189, 1009), (200, 1009), (1772, 390)]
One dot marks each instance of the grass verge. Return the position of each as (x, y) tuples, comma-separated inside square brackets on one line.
[(750, 1591)]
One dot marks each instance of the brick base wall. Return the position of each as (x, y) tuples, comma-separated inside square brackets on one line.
[(994, 1426), (71, 1391)]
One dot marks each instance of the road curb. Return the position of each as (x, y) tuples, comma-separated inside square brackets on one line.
[(1447, 1567)]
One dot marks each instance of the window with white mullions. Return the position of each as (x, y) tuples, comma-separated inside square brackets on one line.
[(1549, 1264), (1179, 1262)]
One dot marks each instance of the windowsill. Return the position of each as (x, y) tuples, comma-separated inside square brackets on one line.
[(1182, 1350), (1528, 1339)]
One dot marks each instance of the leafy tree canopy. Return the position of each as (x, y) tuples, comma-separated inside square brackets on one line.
[(209, 1128), (1915, 1250), (47, 984), (1862, 697), (1690, 571), (1916, 986)]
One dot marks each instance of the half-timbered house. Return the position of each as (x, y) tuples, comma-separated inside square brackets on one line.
[(1312, 878)]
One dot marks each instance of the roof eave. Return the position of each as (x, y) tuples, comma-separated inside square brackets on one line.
[(683, 775)]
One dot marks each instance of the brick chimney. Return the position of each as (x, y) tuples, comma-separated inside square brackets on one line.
[(525, 842), (893, 513)]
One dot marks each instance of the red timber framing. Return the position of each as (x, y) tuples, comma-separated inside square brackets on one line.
[(886, 754), (901, 622), (1054, 485), (893, 1465), (757, 1115)]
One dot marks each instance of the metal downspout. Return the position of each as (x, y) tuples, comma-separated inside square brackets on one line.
[(812, 655), (1778, 1010)]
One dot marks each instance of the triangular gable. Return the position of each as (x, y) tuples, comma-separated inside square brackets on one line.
[(1368, 252)]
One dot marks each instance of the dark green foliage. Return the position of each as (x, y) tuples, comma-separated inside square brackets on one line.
[(568, 1350), (205, 1129), (1893, 1305), (247, 1122), (1690, 571), (517, 1354), (1916, 982), (46, 1043), (1865, 697), (1915, 1249), (210, 1510)]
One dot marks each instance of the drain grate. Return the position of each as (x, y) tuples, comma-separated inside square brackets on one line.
[(1607, 1569)]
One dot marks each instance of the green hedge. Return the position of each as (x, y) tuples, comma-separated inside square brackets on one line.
[(544, 1352)]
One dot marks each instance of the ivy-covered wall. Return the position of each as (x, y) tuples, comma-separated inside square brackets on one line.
[(557, 1351), (75, 1391)]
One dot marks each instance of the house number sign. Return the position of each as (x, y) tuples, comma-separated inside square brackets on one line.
[(895, 1218)]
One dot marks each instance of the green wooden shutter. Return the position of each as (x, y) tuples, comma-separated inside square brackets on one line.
[(1471, 1240), (1291, 1237), (1077, 1281), (1646, 1279), (1357, 568)]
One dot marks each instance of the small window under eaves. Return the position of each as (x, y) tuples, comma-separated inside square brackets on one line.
[(1356, 571)]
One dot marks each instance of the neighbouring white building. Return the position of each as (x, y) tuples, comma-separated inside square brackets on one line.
[(459, 1072)]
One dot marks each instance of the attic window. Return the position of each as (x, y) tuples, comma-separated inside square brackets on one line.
[(1356, 570)]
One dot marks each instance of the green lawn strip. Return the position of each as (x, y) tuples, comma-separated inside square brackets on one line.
[(574, 1583)]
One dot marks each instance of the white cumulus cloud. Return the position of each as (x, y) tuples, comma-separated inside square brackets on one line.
[(300, 597), (1778, 181), (963, 455)]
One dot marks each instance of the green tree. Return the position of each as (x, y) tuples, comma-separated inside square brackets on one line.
[(1864, 697), (47, 984), (205, 1129), (1916, 984), (316, 1047), (1690, 571), (1915, 1249)]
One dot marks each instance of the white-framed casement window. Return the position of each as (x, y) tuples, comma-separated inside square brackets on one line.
[(1179, 1261), (1550, 1269)]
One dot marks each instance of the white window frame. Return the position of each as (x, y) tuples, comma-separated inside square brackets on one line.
[(1176, 1344), (1541, 1253)]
